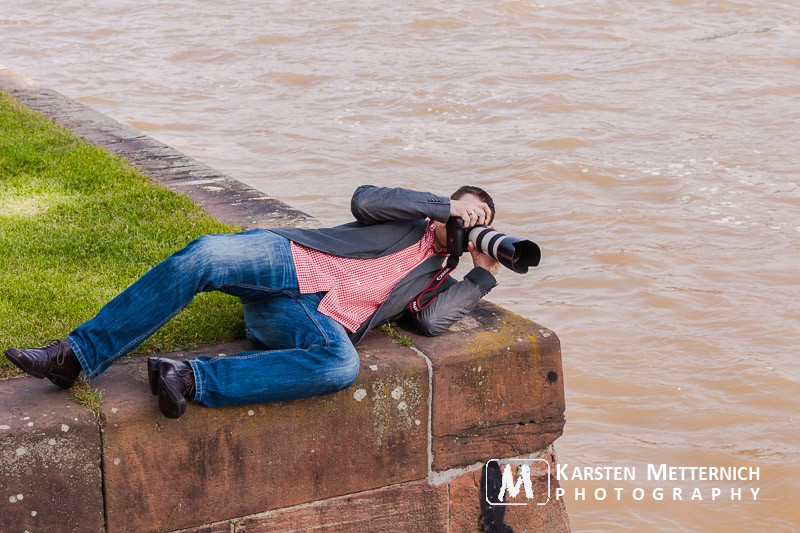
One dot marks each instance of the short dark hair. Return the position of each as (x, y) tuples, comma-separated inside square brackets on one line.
[(477, 191)]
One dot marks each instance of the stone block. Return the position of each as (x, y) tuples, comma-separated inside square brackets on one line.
[(50, 477), (482, 444), (497, 387), (215, 464), (417, 507)]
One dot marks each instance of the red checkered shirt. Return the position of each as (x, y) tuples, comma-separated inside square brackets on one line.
[(357, 287)]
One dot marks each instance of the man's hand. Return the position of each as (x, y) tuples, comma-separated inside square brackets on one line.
[(471, 211), (483, 261)]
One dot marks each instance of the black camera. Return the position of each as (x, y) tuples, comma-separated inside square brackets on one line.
[(511, 252)]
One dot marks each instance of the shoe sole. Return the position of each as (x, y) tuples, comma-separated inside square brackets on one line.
[(171, 405), (61, 382)]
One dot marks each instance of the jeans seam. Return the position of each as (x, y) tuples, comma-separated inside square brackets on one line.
[(251, 287), (320, 329), (257, 353)]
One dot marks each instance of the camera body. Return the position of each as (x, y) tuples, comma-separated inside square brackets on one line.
[(512, 252)]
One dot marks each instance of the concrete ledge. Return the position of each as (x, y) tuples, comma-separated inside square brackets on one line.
[(495, 399), (411, 507), (267, 456), (50, 469), (369, 453), (497, 387)]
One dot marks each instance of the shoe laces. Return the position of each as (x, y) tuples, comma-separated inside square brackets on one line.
[(61, 354)]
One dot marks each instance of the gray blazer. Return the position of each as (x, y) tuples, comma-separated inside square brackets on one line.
[(387, 221)]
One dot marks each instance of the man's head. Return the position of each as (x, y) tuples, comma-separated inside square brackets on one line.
[(478, 193)]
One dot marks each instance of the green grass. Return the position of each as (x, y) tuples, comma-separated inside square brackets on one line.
[(87, 396), (397, 337), (77, 226)]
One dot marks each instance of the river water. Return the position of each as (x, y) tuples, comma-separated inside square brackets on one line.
[(651, 148)]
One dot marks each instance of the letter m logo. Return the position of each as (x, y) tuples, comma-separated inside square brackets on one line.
[(516, 481)]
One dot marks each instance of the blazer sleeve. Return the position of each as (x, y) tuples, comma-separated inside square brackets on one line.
[(454, 302), (373, 205)]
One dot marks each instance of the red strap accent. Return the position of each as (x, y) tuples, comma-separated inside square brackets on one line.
[(416, 305)]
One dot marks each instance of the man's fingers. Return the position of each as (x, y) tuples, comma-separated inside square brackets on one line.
[(478, 212), (482, 260), (474, 214), (477, 216)]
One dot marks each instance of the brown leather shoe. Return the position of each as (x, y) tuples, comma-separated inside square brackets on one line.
[(55, 361), (173, 381)]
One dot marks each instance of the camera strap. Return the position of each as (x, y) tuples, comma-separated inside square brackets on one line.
[(416, 305)]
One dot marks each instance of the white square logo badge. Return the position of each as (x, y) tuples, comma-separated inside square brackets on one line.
[(516, 482)]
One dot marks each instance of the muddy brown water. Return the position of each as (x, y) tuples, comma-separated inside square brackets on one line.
[(651, 148)]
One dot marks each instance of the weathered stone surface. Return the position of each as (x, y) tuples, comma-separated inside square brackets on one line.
[(214, 464), (497, 387), (219, 527), (50, 477), (416, 507), (469, 510), (481, 444)]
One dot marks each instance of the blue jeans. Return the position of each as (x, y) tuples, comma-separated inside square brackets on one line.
[(305, 352)]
